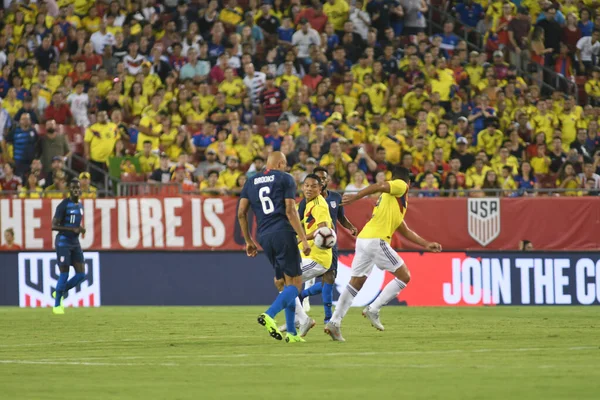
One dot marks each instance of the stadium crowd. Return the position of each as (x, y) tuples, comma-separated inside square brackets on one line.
[(199, 93)]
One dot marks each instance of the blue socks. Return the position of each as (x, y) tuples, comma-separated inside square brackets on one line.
[(61, 285), (290, 317), (327, 295), (286, 298), (76, 280), (312, 291)]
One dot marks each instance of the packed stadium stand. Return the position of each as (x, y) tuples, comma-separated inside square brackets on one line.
[(475, 98)]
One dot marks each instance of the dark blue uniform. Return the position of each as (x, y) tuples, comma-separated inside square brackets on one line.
[(266, 192), (337, 212), (68, 249)]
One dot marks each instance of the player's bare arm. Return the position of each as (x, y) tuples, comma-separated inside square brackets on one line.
[(56, 226), (292, 214), (415, 238), (383, 187), (348, 225), (251, 248), (311, 236)]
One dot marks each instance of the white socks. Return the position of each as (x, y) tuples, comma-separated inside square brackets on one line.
[(389, 292), (301, 315), (344, 303)]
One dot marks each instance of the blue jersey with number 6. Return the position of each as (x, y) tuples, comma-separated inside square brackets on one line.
[(266, 192), (68, 214)]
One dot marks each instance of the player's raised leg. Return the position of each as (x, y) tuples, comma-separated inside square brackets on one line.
[(361, 268)]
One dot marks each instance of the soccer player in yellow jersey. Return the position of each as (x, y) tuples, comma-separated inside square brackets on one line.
[(373, 248), (317, 263)]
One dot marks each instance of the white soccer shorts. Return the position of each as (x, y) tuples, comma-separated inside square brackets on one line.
[(371, 252), (311, 269)]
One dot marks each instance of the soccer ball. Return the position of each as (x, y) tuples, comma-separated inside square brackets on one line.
[(325, 238)]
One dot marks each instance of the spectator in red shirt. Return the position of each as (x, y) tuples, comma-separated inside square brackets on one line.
[(9, 238), (441, 166), (10, 182), (92, 60), (272, 100), (59, 111), (80, 73), (314, 15), (455, 170), (312, 79)]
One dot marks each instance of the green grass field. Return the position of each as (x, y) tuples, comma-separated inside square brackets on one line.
[(222, 353)]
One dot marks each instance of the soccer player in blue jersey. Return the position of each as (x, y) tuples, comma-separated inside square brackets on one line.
[(67, 221), (336, 211), (271, 194)]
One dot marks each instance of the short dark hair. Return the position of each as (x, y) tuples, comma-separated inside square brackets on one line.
[(315, 177), (401, 173), (320, 169), (147, 142), (74, 181)]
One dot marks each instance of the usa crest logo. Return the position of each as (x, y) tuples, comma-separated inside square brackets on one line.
[(38, 275), (333, 204), (484, 220)]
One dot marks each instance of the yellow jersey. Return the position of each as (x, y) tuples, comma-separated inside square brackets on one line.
[(150, 123), (102, 139), (337, 13), (315, 213), (388, 213)]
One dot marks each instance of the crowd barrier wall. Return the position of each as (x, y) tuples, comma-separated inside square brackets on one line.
[(473, 278)]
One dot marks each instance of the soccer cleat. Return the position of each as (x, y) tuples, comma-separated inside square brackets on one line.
[(283, 328), (373, 317), (60, 310), (306, 304), (294, 339), (271, 326), (307, 326), (333, 330), (62, 299)]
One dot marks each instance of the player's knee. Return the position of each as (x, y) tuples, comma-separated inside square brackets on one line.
[(403, 274), (329, 277), (357, 282), (278, 284)]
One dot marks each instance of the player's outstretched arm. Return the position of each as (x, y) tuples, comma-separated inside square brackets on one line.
[(345, 222), (292, 214), (415, 238), (383, 187), (251, 248)]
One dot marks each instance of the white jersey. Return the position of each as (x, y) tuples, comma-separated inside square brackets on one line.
[(79, 108), (255, 85)]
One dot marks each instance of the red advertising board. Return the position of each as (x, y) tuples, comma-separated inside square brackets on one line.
[(210, 223)]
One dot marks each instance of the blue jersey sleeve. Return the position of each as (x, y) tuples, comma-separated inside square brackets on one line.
[(302, 208), (61, 211), (289, 187)]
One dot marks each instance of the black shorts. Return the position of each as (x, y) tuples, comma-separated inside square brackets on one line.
[(281, 248), (69, 255)]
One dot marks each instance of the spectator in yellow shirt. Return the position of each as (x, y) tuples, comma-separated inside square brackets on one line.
[(228, 177), (58, 190), (541, 162), (568, 179), (337, 13), (504, 159), (476, 174), (148, 161), (87, 190), (413, 101), (212, 184), (592, 87), (490, 139), (507, 181), (338, 158), (31, 189)]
